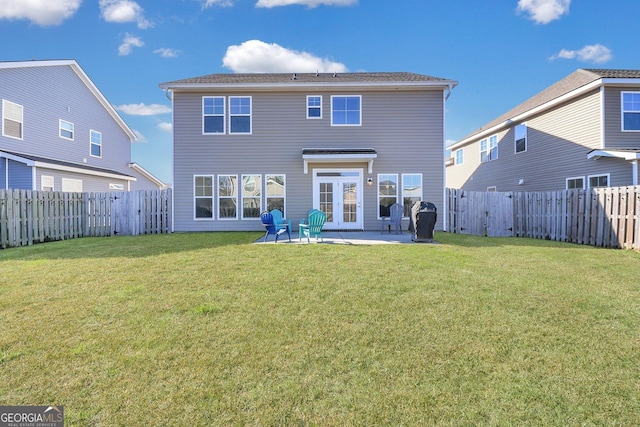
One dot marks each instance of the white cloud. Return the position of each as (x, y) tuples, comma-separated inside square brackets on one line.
[(139, 136), (211, 3), (167, 53), (165, 127), (122, 11), (544, 11), (255, 56), (309, 3), (41, 12), (144, 110), (595, 53), (128, 44)]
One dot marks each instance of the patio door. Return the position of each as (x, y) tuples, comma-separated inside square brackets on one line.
[(338, 193)]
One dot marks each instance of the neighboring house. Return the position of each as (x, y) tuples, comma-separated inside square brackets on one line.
[(348, 144), (59, 133), (581, 132)]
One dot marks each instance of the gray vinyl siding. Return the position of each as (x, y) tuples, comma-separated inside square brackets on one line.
[(51, 93), (89, 183), (558, 142), (404, 127), (614, 136)]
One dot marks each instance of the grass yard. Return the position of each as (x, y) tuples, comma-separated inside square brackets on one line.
[(207, 329)]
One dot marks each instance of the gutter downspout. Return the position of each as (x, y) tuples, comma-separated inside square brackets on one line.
[(634, 172)]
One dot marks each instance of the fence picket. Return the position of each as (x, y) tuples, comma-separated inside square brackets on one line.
[(604, 217), (28, 217)]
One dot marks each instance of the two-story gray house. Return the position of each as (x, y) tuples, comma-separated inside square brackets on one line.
[(348, 144), (59, 133), (581, 132)]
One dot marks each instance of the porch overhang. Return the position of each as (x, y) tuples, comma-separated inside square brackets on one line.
[(339, 155), (629, 154)]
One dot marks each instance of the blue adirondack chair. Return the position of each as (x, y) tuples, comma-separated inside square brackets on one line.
[(312, 227), (270, 226), (280, 222), (396, 211)]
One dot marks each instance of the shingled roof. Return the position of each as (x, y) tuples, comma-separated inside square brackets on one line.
[(306, 78), (573, 81)]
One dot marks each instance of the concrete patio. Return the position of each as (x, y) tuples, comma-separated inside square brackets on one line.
[(346, 238)]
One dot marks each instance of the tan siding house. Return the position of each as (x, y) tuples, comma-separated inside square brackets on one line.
[(583, 131), (348, 144)]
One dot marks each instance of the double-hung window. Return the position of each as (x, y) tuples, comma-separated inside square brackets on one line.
[(411, 191), (239, 114), (521, 138), (275, 192), (96, 143), (489, 149), (459, 156), (66, 130), (227, 196), (346, 110), (630, 111), (12, 119), (213, 111), (314, 106), (251, 196), (203, 196), (387, 193)]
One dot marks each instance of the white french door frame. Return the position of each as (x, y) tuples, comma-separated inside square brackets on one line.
[(345, 209)]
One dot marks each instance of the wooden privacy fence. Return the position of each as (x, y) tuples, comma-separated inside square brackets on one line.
[(605, 217), (28, 217)]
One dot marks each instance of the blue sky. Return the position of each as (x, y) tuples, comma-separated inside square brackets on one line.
[(500, 51)]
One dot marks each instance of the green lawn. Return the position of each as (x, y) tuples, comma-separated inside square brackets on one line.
[(207, 329)]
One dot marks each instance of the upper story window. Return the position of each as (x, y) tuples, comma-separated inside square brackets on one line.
[(489, 149), (12, 119), (521, 138), (346, 110), (239, 114), (630, 111), (66, 130), (96, 144), (314, 106), (459, 156), (213, 114)]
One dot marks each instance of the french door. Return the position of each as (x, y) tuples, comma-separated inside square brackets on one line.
[(338, 193)]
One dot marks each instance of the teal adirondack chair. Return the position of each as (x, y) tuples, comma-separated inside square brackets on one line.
[(313, 226), (280, 222)]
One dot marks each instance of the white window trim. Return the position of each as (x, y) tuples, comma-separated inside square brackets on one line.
[(308, 106), (242, 197), (224, 114), (455, 156), (91, 143), (402, 188), (398, 191), (492, 189), (73, 130), (5, 108), (622, 111), (608, 175), (284, 196), (76, 184), (515, 138), (359, 112), (213, 193), (566, 183), (47, 179), (250, 115), (218, 197)]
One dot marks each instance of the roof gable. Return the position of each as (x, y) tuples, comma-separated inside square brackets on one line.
[(573, 82)]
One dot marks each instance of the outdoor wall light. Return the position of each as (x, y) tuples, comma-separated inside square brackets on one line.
[(369, 181)]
